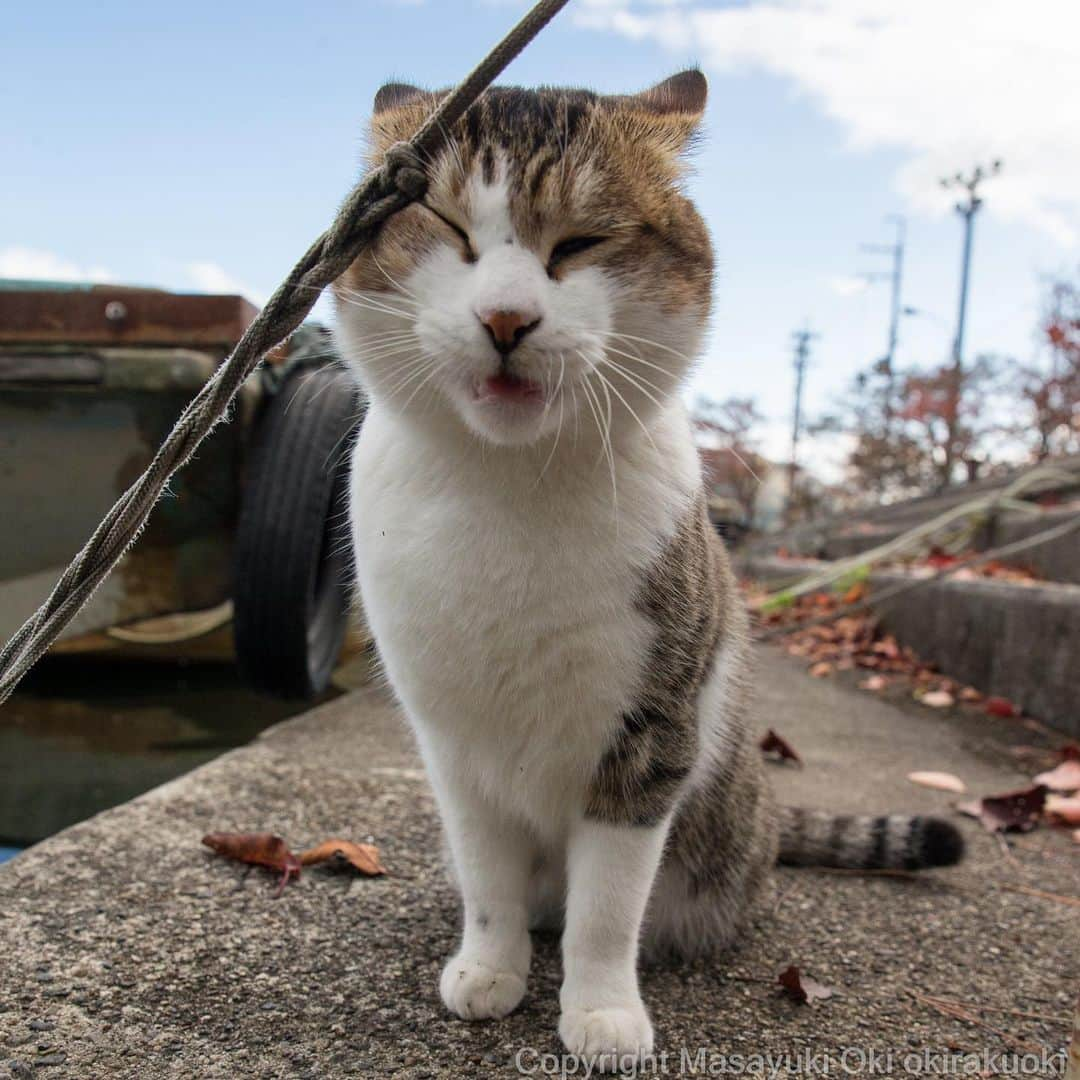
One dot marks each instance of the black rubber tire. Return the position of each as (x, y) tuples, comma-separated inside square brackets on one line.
[(292, 578)]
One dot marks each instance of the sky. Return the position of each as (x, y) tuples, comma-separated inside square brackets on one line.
[(203, 146)]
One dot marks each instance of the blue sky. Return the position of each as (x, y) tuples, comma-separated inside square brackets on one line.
[(205, 145)]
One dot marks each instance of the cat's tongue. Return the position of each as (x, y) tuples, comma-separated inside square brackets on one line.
[(507, 387)]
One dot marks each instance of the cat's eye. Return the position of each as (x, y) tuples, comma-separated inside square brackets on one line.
[(573, 246), (470, 255)]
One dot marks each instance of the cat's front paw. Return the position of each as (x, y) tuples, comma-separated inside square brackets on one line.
[(612, 1039), (474, 988)]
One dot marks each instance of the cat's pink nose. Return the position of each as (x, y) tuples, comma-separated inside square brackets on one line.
[(507, 328)]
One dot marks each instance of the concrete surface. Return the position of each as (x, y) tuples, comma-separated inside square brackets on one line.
[(130, 951)]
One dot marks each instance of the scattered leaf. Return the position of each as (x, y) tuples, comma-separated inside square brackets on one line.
[(938, 699), (822, 669), (1066, 777), (1003, 707), (940, 781), (771, 743), (1012, 811), (856, 594), (874, 682), (801, 987), (970, 695), (259, 849), (1076, 837), (363, 857), (1062, 810)]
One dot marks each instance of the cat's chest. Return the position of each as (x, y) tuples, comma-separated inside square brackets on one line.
[(488, 585)]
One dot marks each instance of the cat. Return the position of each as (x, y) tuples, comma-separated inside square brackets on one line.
[(550, 603)]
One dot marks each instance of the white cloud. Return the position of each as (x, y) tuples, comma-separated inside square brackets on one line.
[(848, 286), (35, 264), (212, 278), (948, 82)]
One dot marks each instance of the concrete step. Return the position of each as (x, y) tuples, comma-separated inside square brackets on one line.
[(1021, 642)]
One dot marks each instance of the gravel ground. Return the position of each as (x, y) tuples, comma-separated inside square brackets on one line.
[(127, 950)]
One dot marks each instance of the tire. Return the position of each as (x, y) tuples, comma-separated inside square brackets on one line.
[(292, 579)]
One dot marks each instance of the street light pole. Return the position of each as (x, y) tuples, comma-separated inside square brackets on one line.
[(802, 339), (967, 208), (887, 364)]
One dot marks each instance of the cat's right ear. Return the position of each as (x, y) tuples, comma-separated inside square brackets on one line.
[(395, 95)]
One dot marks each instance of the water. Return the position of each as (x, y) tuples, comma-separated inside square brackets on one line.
[(82, 735)]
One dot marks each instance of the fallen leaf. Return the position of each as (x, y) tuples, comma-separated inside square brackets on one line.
[(821, 669), (856, 593), (938, 699), (970, 694), (940, 781), (874, 682), (363, 857), (259, 849), (771, 743), (1076, 837), (1070, 752), (1012, 811), (801, 987), (1066, 777), (1063, 811), (1000, 706)]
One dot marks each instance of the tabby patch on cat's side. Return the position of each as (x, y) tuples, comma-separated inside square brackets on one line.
[(550, 603)]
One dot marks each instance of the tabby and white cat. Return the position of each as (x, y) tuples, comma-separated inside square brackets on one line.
[(550, 603)]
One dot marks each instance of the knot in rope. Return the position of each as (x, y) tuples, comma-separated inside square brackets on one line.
[(405, 170)]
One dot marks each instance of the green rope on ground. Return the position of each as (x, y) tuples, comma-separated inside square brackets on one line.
[(399, 181)]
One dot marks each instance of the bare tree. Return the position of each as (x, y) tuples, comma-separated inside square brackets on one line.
[(728, 445), (1052, 391)]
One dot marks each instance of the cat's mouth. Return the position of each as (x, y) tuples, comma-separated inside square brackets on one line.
[(509, 389)]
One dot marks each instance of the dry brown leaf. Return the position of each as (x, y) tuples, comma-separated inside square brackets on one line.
[(1016, 811), (940, 781), (1076, 837), (801, 987), (362, 857), (822, 669), (1000, 706), (970, 694), (874, 683), (771, 743), (259, 849), (938, 699), (1066, 777)]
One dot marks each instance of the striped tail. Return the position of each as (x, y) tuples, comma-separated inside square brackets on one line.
[(857, 842)]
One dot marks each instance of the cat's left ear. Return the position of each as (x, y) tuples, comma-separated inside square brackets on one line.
[(674, 107), (681, 95)]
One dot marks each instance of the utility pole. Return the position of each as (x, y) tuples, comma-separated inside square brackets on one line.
[(802, 339), (967, 208), (887, 365)]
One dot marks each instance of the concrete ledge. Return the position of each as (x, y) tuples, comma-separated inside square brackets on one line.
[(1017, 641), (129, 951)]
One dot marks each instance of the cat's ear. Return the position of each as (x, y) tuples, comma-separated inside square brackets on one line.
[(394, 95), (669, 113), (681, 95)]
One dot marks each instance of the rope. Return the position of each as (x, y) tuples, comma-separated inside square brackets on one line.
[(399, 181), (876, 601)]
